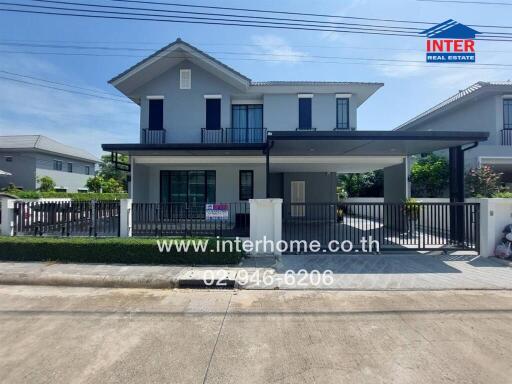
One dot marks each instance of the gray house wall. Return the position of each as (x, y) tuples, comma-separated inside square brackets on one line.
[(185, 109), (26, 167), (483, 113), (146, 180)]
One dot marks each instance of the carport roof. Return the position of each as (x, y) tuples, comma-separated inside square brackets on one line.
[(367, 143), (316, 143)]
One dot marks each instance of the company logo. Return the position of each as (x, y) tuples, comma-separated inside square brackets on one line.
[(450, 42)]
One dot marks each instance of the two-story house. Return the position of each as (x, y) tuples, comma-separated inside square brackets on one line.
[(210, 134), (483, 106), (29, 157)]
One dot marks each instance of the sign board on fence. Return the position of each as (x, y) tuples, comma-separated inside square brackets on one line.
[(217, 212)]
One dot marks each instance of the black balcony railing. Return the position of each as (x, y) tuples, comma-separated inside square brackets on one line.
[(152, 136), (306, 129), (506, 136), (233, 135)]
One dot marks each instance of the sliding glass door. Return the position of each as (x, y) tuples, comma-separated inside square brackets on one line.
[(188, 191), (247, 123)]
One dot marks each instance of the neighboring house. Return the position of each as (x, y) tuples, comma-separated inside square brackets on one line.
[(484, 106), (210, 134), (28, 157)]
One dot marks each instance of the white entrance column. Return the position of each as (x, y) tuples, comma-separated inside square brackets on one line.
[(7, 226), (266, 223), (125, 219)]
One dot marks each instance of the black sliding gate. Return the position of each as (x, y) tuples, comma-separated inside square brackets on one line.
[(395, 226)]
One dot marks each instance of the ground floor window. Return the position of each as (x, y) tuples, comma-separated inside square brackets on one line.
[(192, 187), (246, 185)]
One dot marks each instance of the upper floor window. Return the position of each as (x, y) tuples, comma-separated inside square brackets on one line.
[(305, 119), (70, 167), (185, 78), (507, 114), (57, 165), (156, 113), (87, 170), (342, 121), (212, 111)]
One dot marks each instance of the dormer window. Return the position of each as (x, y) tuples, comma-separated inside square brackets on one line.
[(185, 78)]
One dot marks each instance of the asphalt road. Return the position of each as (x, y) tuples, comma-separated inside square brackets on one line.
[(94, 335)]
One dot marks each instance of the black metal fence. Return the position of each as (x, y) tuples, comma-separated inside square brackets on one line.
[(184, 219), (506, 136), (420, 226), (67, 218)]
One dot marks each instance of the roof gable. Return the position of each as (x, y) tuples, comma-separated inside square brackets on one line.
[(170, 56)]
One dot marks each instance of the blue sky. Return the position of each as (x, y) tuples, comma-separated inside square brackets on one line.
[(87, 122)]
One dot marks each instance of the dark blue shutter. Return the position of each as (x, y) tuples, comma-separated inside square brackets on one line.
[(305, 113), (212, 113), (156, 114)]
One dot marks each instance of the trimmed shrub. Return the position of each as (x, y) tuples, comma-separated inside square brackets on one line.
[(73, 196), (110, 250)]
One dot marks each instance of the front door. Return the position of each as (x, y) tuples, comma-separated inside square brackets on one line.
[(298, 197)]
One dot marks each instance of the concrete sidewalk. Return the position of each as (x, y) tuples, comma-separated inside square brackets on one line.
[(349, 272)]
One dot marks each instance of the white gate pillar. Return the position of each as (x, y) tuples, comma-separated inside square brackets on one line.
[(7, 226), (266, 222), (125, 218)]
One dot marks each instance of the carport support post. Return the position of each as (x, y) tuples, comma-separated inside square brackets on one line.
[(267, 170), (456, 159)]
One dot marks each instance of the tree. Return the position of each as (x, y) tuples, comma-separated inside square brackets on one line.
[(112, 186), (429, 176), (370, 184), (483, 182), (46, 183), (95, 184), (108, 170)]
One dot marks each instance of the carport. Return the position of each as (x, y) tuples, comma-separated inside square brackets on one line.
[(438, 224)]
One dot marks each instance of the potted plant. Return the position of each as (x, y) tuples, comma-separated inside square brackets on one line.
[(412, 213), (340, 214)]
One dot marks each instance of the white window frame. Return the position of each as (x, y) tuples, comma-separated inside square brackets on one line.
[(213, 96), (305, 95), (182, 83), (343, 95), (155, 97)]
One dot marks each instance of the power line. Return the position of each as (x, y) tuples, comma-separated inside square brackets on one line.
[(208, 21), (328, 23), (64, 84), (463, 2), (203, 22), (62, 89), (415, 64), (297, 13), (296, 56)]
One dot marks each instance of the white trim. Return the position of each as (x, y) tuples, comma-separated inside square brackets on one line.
[(343, 95), (305, 95), (246, 101), (507, 96), (213, 96), (155, 97)]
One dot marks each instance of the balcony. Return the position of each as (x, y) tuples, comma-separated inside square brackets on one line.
[(152, 136), (233, 135), (506, 136)]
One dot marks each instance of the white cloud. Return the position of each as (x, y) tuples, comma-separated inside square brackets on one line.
[(276, 49), (76, 120)]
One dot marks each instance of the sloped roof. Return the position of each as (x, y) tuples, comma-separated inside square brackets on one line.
[(45, 144), (315, 83), (169, 48), (456, 99)]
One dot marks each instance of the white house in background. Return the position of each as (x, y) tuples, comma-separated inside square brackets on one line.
[(483, 106), (28, 157)]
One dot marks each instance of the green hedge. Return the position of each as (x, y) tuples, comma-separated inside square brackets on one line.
[(86, 196), (108, 250)]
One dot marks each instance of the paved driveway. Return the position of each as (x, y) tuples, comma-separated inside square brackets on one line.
[(392, 271), (90, 335)]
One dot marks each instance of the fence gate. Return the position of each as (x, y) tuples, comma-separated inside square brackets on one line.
[(415, 226), (67, 218)]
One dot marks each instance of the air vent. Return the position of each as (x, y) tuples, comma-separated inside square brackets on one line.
[(185, 78)]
